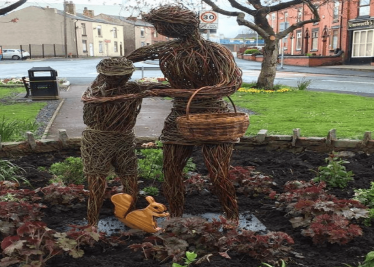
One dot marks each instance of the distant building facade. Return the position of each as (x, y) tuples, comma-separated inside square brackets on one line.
[(344, 25), (44, 27)]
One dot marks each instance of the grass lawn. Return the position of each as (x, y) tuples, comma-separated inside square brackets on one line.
[(19, 111), (315, 113), (17, 118)]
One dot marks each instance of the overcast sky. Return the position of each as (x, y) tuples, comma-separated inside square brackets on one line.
[(226, 25)]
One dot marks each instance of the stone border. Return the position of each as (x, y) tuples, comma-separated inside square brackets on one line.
[(294, 143)]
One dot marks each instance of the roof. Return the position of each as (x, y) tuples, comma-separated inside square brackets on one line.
[(123, 19), (246, 36), (80, 16)]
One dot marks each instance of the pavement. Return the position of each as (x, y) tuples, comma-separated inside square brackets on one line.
[(150, 121)]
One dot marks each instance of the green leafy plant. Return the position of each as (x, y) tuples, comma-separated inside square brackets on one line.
[(190, 258), (11, 172), (303, 84), (369, 261), (251, 51), (70, 171), (151, 191), (366, 197), (334, 174), (283, 264), (150, 163), (14, 130)]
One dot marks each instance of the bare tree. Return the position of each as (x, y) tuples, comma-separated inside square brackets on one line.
[(261, 25), (11, 7)]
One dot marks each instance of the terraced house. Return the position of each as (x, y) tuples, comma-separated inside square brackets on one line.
[(346, 26), (45, 31)]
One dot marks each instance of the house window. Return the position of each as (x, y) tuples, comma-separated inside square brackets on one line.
[(84, 29), (363, 43), (364, 8), (142, 44), (299, 14), (115, 46), (114, 32), (141, 32), (285, 16), (84, 45), (99, 31), (155, 34), (314, 40), (334, 39), (298, 40), (272, 20), (336, 11), (101, 47)]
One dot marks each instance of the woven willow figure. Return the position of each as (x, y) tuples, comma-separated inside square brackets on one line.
[(189, 63), (109, 140)]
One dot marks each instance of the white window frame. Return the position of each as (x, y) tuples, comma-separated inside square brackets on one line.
[(363, 43), (299, 40), (364, 8), (142, 32), (314, 37), (115, 46), (101, 48), (334, 39), (99, 31), (114, 32), (84, 46)]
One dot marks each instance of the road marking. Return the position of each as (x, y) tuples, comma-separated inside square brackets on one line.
[(345, 81)]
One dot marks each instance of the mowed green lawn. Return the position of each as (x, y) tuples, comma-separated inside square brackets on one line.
[(315, 113), (19, 111)]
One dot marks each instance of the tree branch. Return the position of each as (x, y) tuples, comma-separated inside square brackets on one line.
[(7, 9), (301, 23)]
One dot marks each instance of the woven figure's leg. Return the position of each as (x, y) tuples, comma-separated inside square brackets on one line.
[(126, 166), (217, 160), (96, 158), (96, 186), (175, 159)]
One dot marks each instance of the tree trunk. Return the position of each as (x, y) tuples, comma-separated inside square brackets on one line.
[(269, 65)]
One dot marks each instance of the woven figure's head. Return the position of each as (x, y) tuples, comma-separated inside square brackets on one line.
[(116, 66), (173, 21)]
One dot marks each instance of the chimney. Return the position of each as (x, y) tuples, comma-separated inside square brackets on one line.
[(88, 13), (132, 18), (70, 8)]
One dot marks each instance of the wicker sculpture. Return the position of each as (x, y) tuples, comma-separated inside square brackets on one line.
[(190, 63), (109, 140)]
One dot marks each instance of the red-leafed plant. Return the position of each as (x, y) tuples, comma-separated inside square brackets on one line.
[(13, 214), (35, 244), (60, 194), (324, 217), (249, 182), (218, 236), (332, 228)]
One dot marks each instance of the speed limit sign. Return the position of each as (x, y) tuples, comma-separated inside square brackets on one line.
[(208, 20), (208, 17)]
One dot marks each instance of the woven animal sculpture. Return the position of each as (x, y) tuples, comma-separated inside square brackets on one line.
[(143, 219), (108, 142), (190, 63)]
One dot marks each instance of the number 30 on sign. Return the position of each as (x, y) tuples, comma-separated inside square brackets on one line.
[(208, 17)]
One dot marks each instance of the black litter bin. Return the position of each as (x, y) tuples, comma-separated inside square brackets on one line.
[(43, 83)]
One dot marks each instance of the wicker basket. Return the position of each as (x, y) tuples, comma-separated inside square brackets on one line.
[(210, 127)]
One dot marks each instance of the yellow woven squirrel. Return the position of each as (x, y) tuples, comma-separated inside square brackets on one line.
[(143, 219)]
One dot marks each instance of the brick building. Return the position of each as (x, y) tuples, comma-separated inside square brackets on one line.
[(344, 25)]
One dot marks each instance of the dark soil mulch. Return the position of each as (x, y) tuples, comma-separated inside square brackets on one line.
[(282, 166)]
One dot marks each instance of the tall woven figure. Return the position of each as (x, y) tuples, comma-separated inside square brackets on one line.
[(109, 139), (189, 63)]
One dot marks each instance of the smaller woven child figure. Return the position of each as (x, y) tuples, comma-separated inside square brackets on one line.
[(109, 139)]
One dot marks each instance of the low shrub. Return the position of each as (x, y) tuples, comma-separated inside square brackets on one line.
[(251, 51)]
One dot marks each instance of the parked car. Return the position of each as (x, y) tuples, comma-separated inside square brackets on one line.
[(15, 54)]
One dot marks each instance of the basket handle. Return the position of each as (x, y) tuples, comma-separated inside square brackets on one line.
[(193, 95)]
